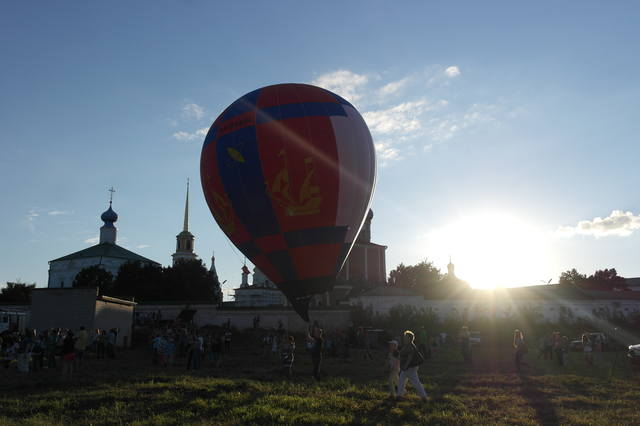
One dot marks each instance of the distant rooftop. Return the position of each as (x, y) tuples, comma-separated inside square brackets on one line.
[(106, 250)]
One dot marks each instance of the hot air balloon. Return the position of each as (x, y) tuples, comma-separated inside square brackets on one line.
[(288, 172)]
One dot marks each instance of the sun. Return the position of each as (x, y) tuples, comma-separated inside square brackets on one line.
[(492, 249)]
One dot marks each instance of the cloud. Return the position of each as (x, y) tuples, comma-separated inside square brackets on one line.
[(58, 212), (452, 71), (401, 119), (92, 240), (142, 246), (441, 128), (344, 83), (32, 215), (192, 111), (387, 152), (618, 223), (393, 87), (186, 136)]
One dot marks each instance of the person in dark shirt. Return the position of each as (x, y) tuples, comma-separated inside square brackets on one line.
[(317, 342), (68, 353)]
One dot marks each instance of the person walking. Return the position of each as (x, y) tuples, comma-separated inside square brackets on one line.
[(410, 360), (393, 367), (521, 349)]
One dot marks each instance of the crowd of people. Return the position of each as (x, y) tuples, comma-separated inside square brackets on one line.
[(192, 344), (56, 348), (65, 349), (555, 346)]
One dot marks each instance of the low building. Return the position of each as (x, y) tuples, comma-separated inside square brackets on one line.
[(73, 308)]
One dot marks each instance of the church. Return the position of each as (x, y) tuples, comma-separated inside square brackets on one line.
[(107, 254)]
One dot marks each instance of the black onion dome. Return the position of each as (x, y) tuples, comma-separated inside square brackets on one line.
[(109, 216)]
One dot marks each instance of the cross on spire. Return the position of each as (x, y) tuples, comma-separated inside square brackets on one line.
[(111, 190)]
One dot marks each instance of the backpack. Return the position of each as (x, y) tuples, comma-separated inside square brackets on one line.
[(417, 359)]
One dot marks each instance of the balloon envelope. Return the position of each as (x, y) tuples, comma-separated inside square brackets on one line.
[(288, 172)]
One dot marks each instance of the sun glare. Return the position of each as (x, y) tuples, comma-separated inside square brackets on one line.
[(491, 250)]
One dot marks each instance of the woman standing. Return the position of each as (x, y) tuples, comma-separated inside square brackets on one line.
[(521, 349)]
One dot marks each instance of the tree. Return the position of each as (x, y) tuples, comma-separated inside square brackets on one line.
[(143, 282), (93, 276), (190, 280), (419, 276), (605, 280), (572, 277), (17, 292), (187, 280)]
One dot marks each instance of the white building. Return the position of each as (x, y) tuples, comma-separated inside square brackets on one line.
[(107, 254), (262, 292)]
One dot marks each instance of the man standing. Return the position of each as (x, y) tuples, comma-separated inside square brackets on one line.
[(410, 359)]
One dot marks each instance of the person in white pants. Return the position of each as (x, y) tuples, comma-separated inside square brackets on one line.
[(409, 362)]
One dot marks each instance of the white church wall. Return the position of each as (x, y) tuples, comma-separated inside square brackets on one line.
[(547, 310), (241, 319), (63, 272)]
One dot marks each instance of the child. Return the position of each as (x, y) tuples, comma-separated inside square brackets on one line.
[(393, 364)]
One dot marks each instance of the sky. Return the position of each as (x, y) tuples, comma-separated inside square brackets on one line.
[(506, 132)]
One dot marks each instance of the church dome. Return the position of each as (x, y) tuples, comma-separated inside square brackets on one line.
[(109, 216)]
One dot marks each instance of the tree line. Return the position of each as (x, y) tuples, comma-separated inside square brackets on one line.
[(187, 280)]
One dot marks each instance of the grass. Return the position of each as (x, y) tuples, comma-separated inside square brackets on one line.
[(248, 390)]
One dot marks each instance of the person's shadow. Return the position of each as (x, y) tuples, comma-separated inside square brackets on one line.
[(538, 400)]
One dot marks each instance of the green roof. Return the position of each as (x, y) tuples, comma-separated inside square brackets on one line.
[(106, 250)]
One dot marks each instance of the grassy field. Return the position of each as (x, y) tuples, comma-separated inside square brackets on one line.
[(248, 390)]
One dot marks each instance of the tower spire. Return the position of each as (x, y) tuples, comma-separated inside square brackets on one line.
[(184, 240), (186, 210)]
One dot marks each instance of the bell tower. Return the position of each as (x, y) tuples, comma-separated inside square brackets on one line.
[(184, 240)]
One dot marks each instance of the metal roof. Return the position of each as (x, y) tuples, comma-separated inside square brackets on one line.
[(106, 250)]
